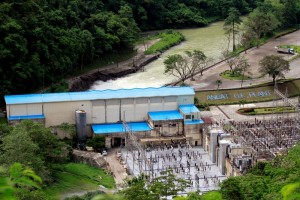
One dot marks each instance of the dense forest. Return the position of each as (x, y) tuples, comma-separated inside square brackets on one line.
[(42, 42)]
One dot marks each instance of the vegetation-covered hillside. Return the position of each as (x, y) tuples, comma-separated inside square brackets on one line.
[(44, 41)]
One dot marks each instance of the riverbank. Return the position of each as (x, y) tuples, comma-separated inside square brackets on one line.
[(146, 52), (85, 81), (114, 70)]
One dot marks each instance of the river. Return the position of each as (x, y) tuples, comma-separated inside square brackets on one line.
[(211, 40)]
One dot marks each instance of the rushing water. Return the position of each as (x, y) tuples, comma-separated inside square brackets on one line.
[(210, 40)]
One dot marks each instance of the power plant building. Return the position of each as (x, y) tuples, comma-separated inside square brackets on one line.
[(149, 112)]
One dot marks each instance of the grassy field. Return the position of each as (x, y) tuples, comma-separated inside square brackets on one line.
[(265, 110), (74, 177), (236, 76), (247, 95), (296, 48), (168, 39)]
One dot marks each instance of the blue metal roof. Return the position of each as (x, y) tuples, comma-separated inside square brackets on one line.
[(119, 128), (26, 117), (187, 109), (99, 94), (165, 115), (194, 122)]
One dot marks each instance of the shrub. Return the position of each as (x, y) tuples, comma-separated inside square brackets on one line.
[(248, 110), (97, 142)]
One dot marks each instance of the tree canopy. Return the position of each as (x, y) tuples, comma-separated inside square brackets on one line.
[(34, 146), (231, 24), (275, 66), (162, 187), (187, 66), (268, 17), (260, 23), (45, 41), (176, 65), (17, 176)]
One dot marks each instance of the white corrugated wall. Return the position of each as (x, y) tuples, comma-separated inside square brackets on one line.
[(64, 112), (25, 109)]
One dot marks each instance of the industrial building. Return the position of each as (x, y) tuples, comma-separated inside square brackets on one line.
[(165, 113), (160, 127)]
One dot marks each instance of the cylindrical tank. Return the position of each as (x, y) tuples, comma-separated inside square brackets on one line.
[(80, 118)]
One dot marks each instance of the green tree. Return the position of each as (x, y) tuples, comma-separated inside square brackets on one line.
[(19, 147), (246, 40), (51, 148), (183, 67), (176, 65), (194, 196), (18, 177), (6, 190), (138, 190), (218, 82), (161, 187), (231, 60), (231, 189), (259, 23), (275, 66), (291, 191), (291, 9), (167, 184), (22, 177), (243, 67), (211, 195), (231, 24), (34, 146), (131, 30), (197, 61), (97, 142)]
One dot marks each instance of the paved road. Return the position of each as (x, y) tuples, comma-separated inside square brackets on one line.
[(254, 55), (119, 172)]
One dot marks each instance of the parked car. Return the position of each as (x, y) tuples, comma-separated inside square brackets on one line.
[(104, 153), (285, 50)]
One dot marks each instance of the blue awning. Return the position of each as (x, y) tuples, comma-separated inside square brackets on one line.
[(165, 115), (119, 128), (188, 109), (26, 117), (194, 122)]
